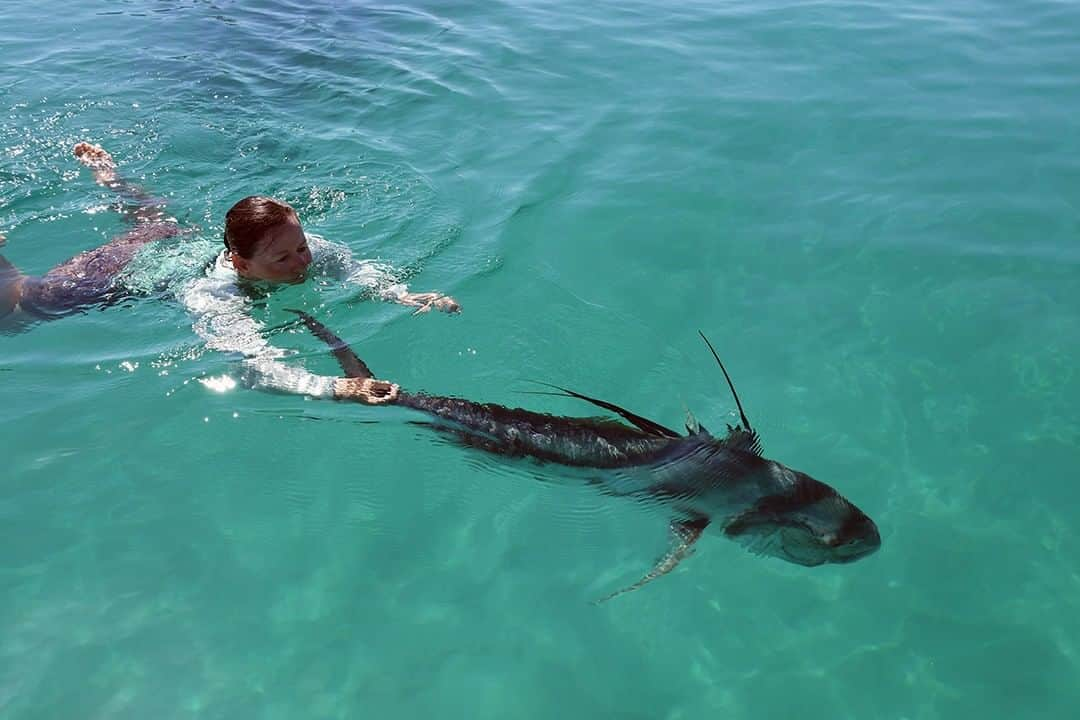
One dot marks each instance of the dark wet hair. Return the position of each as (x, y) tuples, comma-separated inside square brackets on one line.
[(248, 220)]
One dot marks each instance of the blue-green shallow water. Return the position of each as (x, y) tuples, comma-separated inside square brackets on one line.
[(870, 207)]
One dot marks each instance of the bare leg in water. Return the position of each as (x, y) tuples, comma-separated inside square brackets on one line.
[(10, 284), (88, 277), (139, 205)]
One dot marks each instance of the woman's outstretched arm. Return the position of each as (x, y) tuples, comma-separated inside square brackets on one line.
[(378, 278)]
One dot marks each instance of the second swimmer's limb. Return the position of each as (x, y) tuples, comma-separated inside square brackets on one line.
[(11, 283), (365, 390), (97, 159), (142, 206)]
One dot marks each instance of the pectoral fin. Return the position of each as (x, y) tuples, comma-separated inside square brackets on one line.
[(684, 533)]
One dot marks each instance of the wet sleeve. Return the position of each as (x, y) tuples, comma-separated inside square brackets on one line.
[(222, 321)]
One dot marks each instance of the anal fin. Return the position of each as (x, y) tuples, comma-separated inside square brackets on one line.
[(684, 533)]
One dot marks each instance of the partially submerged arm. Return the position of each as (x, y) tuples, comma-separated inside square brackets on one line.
[(222, 320), (378, 278), (424, 302)]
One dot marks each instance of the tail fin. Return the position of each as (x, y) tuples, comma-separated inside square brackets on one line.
[(353, 366)]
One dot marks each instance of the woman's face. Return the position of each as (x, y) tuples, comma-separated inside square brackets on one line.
[(281, 255)]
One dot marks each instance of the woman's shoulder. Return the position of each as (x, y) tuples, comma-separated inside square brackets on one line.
[(222, 270), (219, 280)]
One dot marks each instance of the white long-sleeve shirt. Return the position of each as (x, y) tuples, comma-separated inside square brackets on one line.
[(220, 309)]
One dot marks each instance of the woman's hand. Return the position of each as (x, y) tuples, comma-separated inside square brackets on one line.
[(424, 302), (368, 391)]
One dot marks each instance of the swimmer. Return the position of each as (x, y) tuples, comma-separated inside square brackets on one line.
[(265, 245), (89, 278)]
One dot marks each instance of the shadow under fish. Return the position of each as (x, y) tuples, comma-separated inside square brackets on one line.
[(723, 483)]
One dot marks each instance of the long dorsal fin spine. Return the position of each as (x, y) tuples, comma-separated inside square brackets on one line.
[(742, 415)]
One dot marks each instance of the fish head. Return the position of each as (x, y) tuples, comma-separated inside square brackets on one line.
[(806, 523)]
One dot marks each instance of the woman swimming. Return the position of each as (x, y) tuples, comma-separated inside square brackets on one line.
[(264, 243)]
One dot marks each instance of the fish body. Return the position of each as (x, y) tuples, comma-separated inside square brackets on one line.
[(705, 481), (697, 475), (515, 432)]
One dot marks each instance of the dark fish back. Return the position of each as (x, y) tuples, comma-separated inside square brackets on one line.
[(580, 442)]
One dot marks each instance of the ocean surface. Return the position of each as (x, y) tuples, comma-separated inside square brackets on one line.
[(871, 208)]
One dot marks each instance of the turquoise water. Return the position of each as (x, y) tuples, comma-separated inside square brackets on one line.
[(871, 208)]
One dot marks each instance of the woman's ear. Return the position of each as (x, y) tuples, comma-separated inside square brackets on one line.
[(241, 264)]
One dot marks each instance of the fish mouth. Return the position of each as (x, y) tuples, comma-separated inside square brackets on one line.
[(857, 551), (783, 545), (811, 556)]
